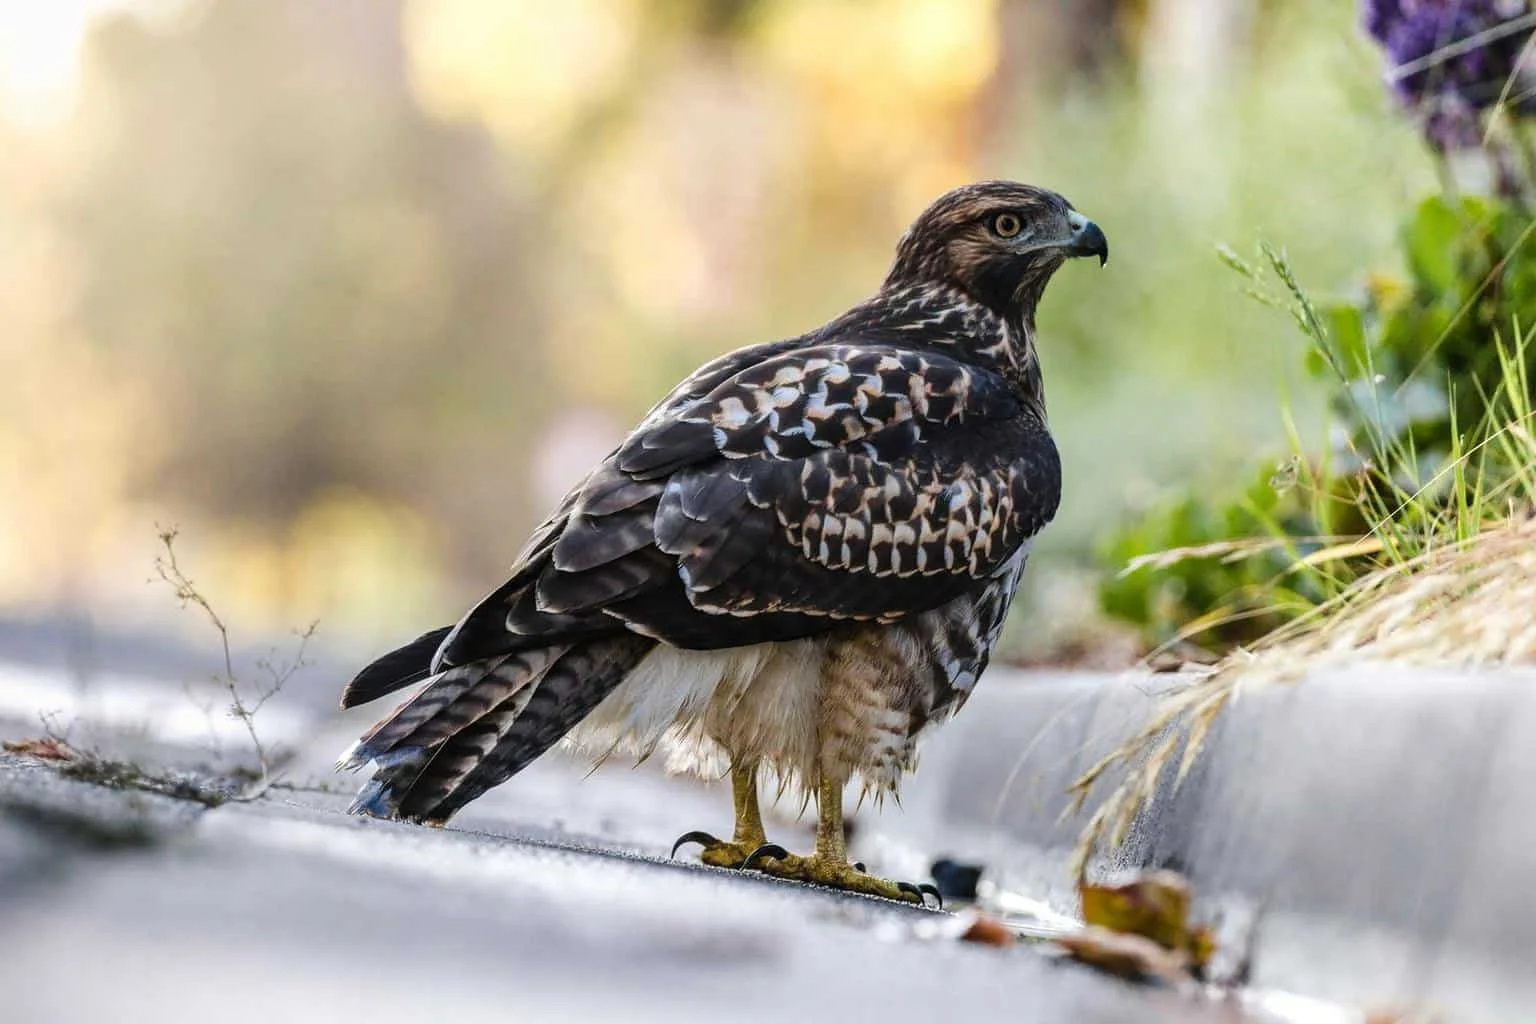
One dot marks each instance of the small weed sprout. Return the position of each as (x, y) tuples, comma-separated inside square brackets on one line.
[(245, 702)]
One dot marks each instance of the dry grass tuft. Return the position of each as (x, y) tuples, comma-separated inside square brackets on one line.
[(1445, 575), (1464, 604)]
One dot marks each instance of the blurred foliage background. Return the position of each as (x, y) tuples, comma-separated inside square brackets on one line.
[(351, 291)]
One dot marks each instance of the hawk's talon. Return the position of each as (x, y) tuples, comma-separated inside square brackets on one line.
[(762, 853), (722, 853), (831, 872), (929, 889), (704, 839), (858, 866)]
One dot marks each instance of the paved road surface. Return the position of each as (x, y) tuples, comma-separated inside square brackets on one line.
[(551, 902)]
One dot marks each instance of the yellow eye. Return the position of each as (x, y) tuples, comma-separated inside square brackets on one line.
[(1006, 225)]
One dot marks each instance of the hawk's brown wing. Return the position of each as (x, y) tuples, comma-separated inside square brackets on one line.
[(787, 490)]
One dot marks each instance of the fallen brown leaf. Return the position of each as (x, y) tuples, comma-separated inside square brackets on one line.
[(48, 748), (989, 931), (1154, 906), (1390, 1016), (1125, 955)]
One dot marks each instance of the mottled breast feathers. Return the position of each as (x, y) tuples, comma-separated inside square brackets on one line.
[(789, 486)]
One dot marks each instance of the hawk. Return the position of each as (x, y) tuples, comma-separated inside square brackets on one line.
[(795, 565)]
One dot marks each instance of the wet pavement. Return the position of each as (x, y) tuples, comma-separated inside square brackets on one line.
[(550, 899)]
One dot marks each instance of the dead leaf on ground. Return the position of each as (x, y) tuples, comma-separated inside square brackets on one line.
[(989, 931), (1390, 1016), (1156, 906), (1134, 957), (1154, 911), (47, 748)]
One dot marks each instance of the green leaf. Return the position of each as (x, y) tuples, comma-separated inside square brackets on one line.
[(1316, 365), (1432, 241), (1346, 325)]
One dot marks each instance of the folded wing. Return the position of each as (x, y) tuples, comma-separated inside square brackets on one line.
[(779, 491)]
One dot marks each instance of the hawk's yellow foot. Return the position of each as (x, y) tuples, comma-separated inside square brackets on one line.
[(748, 835), (834, 873), (717, 852), (829, 865)]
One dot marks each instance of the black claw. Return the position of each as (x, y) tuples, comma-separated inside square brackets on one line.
[(912, 890), (702, 838), (858, 866), (932, 890), (764, 852)]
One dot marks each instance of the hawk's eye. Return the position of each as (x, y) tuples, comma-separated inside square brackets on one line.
[(1006, 225)]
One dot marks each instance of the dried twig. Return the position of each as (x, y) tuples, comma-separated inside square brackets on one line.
[(244, 702)]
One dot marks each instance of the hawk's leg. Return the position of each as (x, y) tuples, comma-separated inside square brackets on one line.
[(748, 834), (829, 864)]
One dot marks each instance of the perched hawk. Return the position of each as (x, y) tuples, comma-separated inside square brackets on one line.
[(797, 562)]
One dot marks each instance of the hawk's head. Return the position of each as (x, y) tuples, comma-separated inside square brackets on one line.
[(997, 241)]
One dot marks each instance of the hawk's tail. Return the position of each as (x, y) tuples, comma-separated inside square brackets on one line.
[(474, 726)]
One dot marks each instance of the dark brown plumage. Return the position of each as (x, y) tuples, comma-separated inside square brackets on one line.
[(834, 525)]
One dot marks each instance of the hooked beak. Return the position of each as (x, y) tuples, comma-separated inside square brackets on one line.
[(1087, 238)]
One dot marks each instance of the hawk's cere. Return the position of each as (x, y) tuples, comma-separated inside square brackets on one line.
[(797, 563)]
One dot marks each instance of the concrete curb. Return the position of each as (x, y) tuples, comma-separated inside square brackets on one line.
[(1377, 829)]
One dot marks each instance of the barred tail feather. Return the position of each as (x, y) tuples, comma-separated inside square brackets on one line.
[(454, 699), (433, 763)]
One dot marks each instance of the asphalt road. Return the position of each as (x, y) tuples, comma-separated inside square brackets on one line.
[(552, 900)]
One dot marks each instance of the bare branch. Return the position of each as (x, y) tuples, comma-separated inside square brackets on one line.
[(244, 702)]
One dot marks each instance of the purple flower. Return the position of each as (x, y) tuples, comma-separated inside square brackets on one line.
[(1441, 76), (1380, 16)]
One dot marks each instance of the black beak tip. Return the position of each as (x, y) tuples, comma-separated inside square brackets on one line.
[(1091, 242)]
